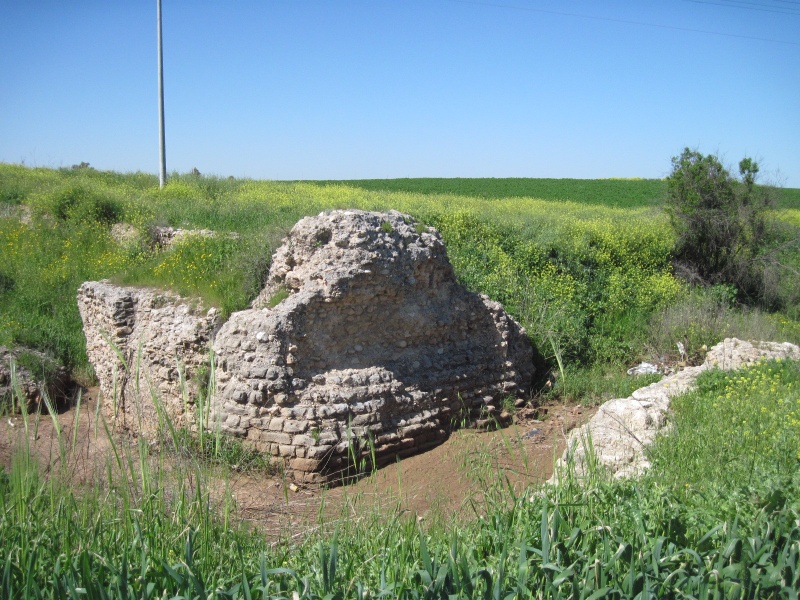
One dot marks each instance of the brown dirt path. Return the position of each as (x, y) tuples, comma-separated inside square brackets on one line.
[(444, 481)]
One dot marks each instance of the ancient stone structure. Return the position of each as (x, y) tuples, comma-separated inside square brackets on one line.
[(623, 428), (371, 351), (37, 375), (362, 348), (145, 344)]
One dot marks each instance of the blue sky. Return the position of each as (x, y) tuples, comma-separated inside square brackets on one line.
[(347, 89)]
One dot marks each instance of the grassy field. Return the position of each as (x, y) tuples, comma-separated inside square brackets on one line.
[(590, 280), (700, 524), (588, 272), (619, 193)]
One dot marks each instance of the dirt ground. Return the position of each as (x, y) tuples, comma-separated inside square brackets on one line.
[(444, 481)]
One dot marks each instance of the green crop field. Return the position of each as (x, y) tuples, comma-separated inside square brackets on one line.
[(586, 266), (621, 193)]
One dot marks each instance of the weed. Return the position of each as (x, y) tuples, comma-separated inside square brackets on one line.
[(148, 528), (226, 451), (41, 367), (281, 294)]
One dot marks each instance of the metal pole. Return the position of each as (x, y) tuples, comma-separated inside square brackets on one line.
[(162, 153)]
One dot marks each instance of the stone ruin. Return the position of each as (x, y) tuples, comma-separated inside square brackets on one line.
[(618, 435), (149, 349), (35, 376), (361, 349)]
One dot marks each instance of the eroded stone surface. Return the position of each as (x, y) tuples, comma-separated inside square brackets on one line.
[(361, 347), (623, 428), (374, 340), (145, 343)]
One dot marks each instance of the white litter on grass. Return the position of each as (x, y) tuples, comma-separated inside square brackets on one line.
[(643, 369)]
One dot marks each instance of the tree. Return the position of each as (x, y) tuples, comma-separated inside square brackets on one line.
[(720, 223)]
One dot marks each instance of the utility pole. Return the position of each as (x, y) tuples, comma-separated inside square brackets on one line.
[(162, 153)]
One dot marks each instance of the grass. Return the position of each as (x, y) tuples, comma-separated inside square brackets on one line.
[(742, 427), (149, 529), (584, 265), (596, 384), (621, 193)]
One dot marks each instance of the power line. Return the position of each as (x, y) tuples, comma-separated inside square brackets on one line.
[(750, 6), (624, 21)]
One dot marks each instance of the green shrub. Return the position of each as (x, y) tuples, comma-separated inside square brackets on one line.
[(76, 202), (723, 233)]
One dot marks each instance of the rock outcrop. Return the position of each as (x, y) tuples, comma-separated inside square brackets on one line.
[(37, 375), (146, 346), (623, 428), (362, 348), (371, 351)]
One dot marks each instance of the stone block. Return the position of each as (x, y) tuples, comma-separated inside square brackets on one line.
[(290, 426), (304, 464)]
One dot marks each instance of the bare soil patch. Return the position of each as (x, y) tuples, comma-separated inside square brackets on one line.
[(446, 481)]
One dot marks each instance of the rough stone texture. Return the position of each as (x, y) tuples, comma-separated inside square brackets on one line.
[(622, 429), (138, 340), (372, 350), (372, 339), (53, 380), (167, 236)]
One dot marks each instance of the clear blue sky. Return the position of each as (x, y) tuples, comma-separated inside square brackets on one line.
[(346, 89)]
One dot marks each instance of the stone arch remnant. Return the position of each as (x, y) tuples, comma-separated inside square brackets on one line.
[(362, 347)]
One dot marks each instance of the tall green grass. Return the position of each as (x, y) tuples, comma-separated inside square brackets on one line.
[(154, 527)]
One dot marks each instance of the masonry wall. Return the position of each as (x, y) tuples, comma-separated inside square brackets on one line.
[(376, 353), (361, 349), (147, 347)]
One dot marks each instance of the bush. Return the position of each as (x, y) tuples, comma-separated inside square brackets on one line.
[(78, 203), (705, 316), (723, 235)]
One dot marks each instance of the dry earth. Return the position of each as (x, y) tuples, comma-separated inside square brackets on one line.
[(444, 481)]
